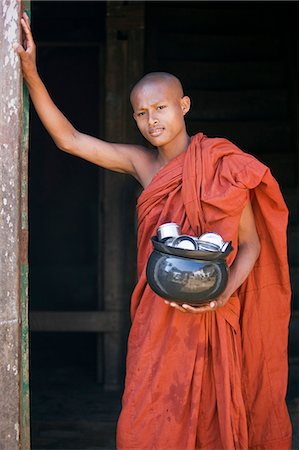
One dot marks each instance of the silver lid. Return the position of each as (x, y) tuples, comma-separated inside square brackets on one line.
[(167, 230), (213, 238)]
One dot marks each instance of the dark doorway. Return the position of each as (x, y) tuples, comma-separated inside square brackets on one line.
[(67, 399)]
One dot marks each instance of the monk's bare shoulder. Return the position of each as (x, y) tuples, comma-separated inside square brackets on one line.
[(145, 163)]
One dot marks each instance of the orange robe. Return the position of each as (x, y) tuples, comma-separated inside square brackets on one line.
[(217, 380)]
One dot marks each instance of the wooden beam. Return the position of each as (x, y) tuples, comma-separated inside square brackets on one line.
[(124, 66), (74, 321), (14, 386)]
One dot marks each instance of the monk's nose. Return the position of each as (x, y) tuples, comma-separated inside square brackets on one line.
[(152, 120)]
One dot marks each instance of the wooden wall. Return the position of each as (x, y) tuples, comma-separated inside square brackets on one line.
[(237, 61), (124, 65)]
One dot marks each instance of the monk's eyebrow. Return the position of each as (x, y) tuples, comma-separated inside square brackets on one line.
[(144, 108)]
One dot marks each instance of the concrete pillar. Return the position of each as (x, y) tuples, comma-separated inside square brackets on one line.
[(14, 387)]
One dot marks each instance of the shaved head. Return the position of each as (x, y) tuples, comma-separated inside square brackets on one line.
[(159, 78), (159, 106)]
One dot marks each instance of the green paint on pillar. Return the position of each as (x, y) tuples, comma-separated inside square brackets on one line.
[(25, 399), (25, 387)]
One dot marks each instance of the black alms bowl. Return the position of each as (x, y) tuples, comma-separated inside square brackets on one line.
[(187, 276)]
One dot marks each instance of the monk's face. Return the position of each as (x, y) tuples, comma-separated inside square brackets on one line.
[(159, 110)]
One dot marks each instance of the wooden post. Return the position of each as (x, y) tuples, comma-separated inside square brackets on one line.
[(14, 386), (124, 66)]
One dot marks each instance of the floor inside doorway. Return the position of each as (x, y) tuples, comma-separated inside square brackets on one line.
[(70, 411)]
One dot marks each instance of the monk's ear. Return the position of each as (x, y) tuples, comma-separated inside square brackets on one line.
[(135, 115), (185, 104)]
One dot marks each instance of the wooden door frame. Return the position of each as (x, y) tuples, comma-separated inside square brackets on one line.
[(124, 66)]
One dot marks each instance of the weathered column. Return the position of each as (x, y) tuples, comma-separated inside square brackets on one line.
[(14, 391)]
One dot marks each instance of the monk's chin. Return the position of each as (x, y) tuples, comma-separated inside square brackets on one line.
[(159, 141)]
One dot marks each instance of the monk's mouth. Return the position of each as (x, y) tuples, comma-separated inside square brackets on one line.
[(156, 132)]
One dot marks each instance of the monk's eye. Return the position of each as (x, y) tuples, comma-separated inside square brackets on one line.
[(140, 114), (161, 107)]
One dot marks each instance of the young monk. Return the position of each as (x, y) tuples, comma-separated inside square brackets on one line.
[(210, 377)]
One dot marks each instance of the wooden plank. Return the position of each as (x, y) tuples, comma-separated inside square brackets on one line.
[(213, 47), (283, 167), (247, 104), (224, 74), (291, 196), (124, 66), (64, 285), (293, 393), (294, 272), (293, 245), (294, 335), (81, 18), (78, 321), (224, 17), (258, 137)]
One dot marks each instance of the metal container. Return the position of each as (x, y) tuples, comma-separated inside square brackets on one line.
[(185, 241), (168, 230), (213, 238), (207, 246)]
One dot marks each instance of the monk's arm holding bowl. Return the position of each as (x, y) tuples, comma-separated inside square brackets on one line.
[(248, 252)]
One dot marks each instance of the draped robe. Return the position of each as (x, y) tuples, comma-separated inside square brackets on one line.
[(215, 380)]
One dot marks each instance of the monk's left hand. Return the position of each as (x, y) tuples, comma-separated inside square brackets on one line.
[(210, 306)]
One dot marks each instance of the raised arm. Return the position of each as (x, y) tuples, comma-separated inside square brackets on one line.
[(117, 157)]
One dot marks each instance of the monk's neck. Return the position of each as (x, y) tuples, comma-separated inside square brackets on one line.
[(173, 149)]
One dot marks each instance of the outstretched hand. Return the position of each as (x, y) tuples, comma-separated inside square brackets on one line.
[(27, 51), (210, 306)]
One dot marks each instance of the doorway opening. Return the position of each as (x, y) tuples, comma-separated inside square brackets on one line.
[(69, 407)]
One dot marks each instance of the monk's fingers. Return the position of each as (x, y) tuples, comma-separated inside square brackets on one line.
[(18, 48), (211, 306), (218, 303), (26, 28), (214, 304), (26, 17), (28, 34), (175, 306), (26, 20), (178, 307), (196, 309)]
